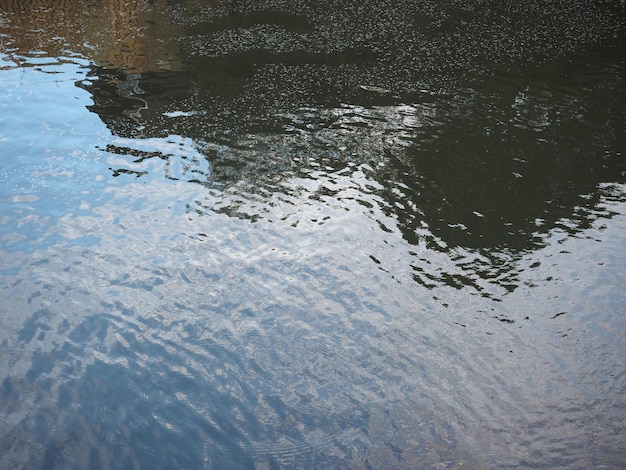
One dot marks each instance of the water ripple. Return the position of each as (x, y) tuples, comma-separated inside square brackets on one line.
[(293, 235)]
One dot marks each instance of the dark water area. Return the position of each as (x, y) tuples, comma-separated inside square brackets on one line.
[(312, 234)]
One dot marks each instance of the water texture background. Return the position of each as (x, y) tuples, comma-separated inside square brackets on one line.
[(307, 234)]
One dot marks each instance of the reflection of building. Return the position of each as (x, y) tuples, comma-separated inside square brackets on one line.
[(128, 49), (132, 35), (39, 26)]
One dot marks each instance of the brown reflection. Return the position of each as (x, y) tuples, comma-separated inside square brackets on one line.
[(39, 26), (128, 48), (131, 35)]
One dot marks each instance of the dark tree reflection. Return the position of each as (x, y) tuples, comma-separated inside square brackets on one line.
[(479, 122)]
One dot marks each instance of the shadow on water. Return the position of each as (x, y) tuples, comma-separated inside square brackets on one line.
[(313, 157)]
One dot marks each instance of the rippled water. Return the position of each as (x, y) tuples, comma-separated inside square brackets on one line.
[(293, 234)]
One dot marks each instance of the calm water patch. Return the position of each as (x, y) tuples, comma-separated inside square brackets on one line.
[(296, 235)]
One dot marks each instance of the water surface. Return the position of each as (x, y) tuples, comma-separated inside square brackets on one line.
[(312, 234)]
